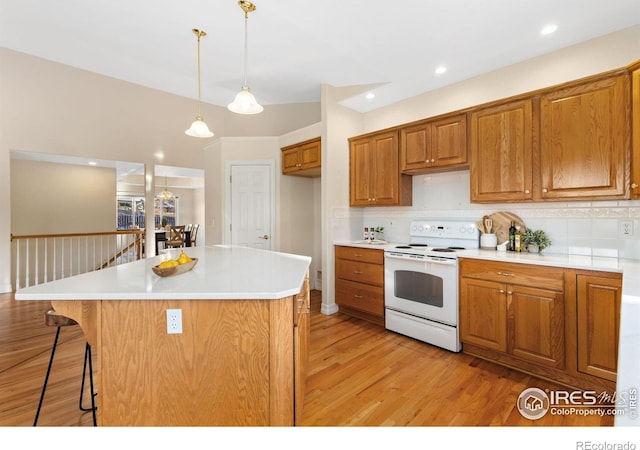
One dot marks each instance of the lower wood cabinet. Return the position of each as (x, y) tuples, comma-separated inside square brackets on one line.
[(556, 323), (360, 282), (511, 317), (598, 322)]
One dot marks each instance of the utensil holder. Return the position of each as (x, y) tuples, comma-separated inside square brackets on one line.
[(488, 241)]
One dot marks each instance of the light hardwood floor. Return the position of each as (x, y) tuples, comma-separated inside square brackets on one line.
[(359, 375)]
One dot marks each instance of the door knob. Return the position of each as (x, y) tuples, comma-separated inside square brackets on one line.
[(263, 237)]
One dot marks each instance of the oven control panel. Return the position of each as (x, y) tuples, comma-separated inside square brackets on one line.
[(444, 229)]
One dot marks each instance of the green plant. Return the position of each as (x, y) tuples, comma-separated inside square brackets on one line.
[(378, 229), (164, 222), (537, 237)]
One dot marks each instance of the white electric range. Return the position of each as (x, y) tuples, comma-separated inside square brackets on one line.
[(421, 281)]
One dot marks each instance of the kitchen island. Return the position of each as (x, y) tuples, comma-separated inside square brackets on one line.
[(239, 359)]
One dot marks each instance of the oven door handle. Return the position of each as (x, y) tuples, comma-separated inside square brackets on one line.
[(444, 261)]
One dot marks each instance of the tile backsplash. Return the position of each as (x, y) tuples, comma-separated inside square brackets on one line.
[(583, 228)]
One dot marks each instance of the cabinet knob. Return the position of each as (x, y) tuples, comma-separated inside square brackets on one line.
[(502, 291), (634, 185), (510, 292), (545, 190), (526, 191), (357, 296), (432, 161)]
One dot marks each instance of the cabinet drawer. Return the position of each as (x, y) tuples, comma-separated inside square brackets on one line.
[(360, 272), (360, 254), (360, 296), (522, 274)]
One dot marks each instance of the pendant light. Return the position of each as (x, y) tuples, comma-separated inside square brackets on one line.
[(198, 127), (245, 102), (167, 194)]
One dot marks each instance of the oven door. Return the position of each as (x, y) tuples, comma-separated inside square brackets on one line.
[(426, 288)]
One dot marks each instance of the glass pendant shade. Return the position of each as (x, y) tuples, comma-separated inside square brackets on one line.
[(199, 129), (245, 103)]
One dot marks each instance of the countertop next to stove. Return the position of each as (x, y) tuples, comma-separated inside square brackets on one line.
[(628, 267)]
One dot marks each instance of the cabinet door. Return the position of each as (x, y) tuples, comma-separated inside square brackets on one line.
[(635, 133), (449, 142), (415, 144), (363, 297), (483, 314), (598, 309), (301, 348), (501, 147), (310, 155), (585, 140), (385, 173), (290, 160), (536, 325), (360, 172)]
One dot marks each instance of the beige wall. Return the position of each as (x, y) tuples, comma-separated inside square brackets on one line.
[(49, 198)]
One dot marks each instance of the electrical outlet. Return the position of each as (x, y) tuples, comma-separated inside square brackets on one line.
[(174, 321), (626, 228)]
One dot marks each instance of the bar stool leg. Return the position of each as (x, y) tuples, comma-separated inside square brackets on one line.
[(87, 358), (46, 378)]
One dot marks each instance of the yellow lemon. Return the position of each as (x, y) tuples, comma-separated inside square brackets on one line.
[(183, 258), (168, 263)]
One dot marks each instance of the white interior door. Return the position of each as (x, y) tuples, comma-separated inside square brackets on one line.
[(251, 205)]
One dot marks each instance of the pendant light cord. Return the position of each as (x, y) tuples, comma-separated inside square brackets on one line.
[(199, 89), (246, 47)]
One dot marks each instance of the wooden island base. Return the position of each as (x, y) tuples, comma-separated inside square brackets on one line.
[(236, 363)]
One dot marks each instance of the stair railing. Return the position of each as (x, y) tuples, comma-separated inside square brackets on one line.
[(41, 258)]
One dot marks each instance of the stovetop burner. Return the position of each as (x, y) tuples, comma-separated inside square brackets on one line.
[(412, 246), (448, 249)]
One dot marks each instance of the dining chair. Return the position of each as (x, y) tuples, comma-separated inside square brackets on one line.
[(194, 234), (176, 236)]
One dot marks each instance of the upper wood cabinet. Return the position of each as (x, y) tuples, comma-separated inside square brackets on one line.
[(635, 132), (501, 146), (302, 159), (374, 170), (585, 140), (434, 146)]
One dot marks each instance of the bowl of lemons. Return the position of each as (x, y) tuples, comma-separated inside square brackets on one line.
[(183, 263)]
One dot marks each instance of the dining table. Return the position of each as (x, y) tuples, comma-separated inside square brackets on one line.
[(161, 236)]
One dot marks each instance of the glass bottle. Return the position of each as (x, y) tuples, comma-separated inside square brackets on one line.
[(518, 239), (512, 236)]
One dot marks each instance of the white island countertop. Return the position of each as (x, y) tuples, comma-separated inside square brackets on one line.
[(222, 272)]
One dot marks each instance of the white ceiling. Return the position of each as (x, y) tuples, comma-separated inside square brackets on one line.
[(297, 45)]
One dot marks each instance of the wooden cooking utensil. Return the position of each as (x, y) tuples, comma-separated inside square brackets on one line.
[(488, 225)]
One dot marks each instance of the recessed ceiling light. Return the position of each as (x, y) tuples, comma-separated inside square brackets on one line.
[(548, 29), (370, 96), (93, 163), (440, 70)]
